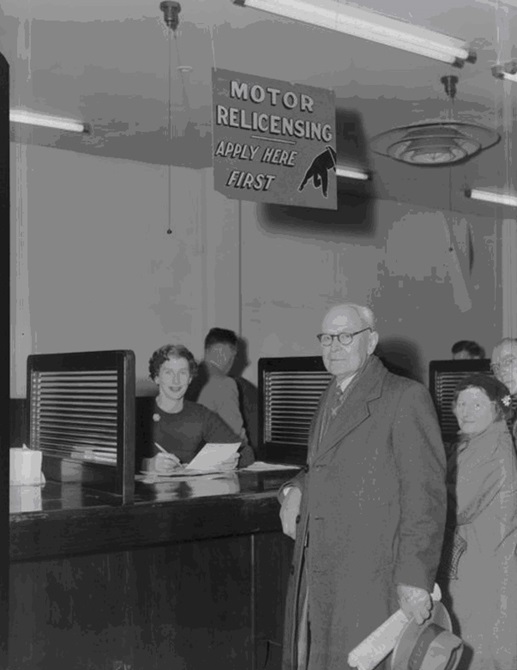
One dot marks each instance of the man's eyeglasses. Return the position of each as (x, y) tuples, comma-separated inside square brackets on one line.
[(504, 364), (326, 339)]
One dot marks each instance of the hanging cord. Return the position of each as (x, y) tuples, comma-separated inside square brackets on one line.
[(213, 47), (171, 10), (503, 103), (449, 82), (459, 285), (183, 69), (451, 94), (169, 171)]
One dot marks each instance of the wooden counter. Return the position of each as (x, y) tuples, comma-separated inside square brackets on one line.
[(191, 575)]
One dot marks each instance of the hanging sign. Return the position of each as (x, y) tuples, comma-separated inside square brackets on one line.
[(273, 141)]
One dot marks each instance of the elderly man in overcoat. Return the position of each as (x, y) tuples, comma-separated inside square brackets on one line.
[(368, 511)]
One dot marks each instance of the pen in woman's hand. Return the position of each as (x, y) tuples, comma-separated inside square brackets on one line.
[(172, 457)]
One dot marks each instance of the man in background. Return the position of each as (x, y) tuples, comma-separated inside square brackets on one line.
[(368, 512), (467, 349), (504, 367), (219, 392)]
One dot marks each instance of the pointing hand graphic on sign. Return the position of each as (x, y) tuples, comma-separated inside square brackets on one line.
[(318, 170)]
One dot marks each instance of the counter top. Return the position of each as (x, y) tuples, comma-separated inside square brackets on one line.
[(66, 518)]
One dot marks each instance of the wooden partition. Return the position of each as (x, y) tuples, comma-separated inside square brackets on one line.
[(289, 391), (82, 417)]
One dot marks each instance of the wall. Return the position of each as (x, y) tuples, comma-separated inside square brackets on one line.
[(394, 257), (94, 267)]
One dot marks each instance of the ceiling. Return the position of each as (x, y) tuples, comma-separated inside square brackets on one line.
[(107, 63)]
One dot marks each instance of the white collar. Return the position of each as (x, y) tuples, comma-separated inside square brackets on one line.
[(345, 383)]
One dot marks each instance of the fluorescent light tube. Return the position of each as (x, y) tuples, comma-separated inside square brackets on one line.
[(506, 71), (351, 173), (490, 196), (368, 25), (509, 77), (34, 119), (495, 3)]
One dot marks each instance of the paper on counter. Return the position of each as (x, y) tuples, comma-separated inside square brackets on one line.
[(212, 455), (262, 466), (149, 477)]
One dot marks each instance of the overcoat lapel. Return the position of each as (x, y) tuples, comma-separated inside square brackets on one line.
[(355, 409)]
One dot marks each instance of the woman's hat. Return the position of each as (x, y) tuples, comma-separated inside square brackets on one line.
[(429, 646)]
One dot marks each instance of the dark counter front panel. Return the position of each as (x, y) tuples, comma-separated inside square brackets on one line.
[(183, 605), (184, 583)]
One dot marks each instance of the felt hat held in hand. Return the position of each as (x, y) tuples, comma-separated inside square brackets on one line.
[(430, 646)]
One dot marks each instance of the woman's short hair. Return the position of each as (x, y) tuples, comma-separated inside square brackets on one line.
[(171, 351), (495, 390)]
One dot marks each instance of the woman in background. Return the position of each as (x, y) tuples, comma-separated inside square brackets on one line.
[(480, 554), (180, 428)]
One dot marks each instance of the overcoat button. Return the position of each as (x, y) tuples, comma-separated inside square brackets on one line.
[(292, 569)]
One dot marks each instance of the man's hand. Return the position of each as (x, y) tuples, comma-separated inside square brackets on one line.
[(415, 602), (290, 510)]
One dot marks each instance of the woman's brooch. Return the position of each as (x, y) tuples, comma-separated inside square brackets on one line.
[(507, 401), (156, 417)]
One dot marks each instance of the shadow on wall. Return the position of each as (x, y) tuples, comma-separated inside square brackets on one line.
[(241, 361), (351, 145), (355, 213), (248, 392), (401, 357)]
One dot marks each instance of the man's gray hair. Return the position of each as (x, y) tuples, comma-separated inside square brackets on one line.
[(365, 313), (507, 340), (512, 341)]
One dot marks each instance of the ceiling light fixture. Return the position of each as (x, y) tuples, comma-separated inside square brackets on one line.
[(370, 26), (436, 142), (490, 196), (47, 121), (351, 173), (506, 71)]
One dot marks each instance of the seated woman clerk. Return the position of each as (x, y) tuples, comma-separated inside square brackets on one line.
[(180, 427), (479, 560)]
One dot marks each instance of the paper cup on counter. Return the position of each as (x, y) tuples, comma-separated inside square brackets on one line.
[(25, 466)]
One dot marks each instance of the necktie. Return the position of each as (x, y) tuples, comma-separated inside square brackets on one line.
[(333, 407), (338, 400)]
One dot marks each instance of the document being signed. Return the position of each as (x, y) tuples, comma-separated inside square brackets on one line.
[(212, 455)]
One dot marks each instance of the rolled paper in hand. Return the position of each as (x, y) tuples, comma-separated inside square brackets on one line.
[(371, 651)]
